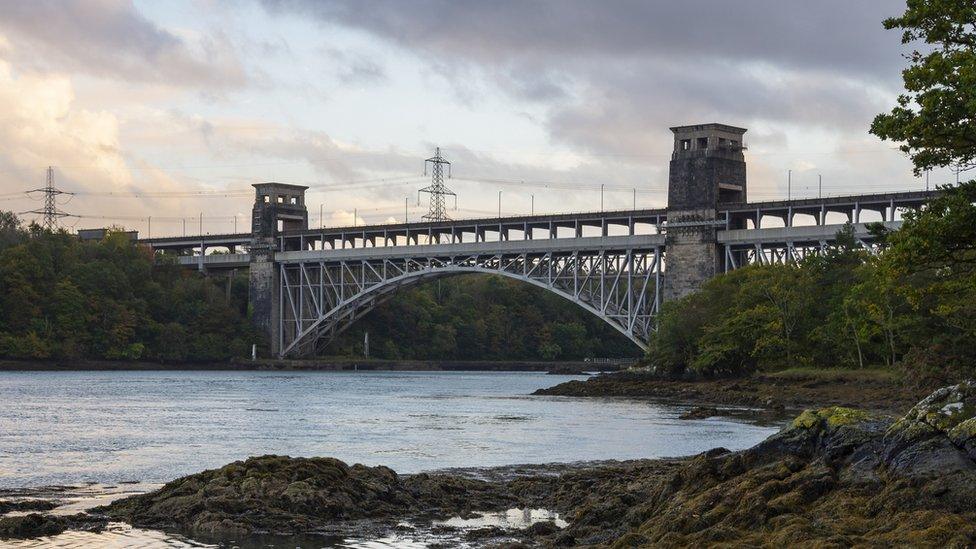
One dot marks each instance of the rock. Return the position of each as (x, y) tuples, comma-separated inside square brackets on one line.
[(33, 525), (280, 494), (566, 370), (699, 412), (946, 407), (27, 505), (543, 528), (963, 435), (487, 532), (832, 477)]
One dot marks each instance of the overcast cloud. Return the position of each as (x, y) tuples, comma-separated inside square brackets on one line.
[(218, 94)]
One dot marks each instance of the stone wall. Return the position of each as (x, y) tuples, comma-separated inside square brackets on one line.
[(263, 290), (691, 253)]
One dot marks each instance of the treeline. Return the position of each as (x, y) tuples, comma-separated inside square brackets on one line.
[(482, 317), (61, 298), (912, 304)]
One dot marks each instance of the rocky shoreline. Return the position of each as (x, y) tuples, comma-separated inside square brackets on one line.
[(833, 476), (768, 392)]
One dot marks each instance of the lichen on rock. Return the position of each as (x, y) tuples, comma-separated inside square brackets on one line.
[(946, 407), (832, 417)]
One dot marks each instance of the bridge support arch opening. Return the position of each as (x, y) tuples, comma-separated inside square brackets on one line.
[(319, 300)]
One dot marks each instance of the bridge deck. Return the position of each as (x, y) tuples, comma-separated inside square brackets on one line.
[(805, 235), (538, 228)]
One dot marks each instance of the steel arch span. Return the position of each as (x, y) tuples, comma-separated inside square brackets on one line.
[(319, 298)]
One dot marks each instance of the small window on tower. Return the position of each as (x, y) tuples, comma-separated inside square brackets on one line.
[(702, 142), (294, 200), (266, 199), (735, 144), (686, 144), (281, 200)]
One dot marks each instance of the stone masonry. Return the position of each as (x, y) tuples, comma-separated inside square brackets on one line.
[(707, 169)]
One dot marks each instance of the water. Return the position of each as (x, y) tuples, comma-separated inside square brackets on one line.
[(109, 427), (101, 431)]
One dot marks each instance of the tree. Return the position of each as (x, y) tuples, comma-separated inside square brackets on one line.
[(931, 263), (935, 119), (11, 231)]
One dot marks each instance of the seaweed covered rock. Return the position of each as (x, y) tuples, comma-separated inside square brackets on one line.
[(284, 495), (35, 525), (7, 506), (835, 477)]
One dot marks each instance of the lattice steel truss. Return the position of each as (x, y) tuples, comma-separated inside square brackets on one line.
[(767, 253), (320, 298)]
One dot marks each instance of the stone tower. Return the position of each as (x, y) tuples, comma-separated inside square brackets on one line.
[(707, 169), (277, 207)]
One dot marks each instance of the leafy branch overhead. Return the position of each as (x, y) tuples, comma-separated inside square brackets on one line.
[(935, 119)]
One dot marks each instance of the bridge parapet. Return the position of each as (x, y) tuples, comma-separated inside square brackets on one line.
[(887, 205)]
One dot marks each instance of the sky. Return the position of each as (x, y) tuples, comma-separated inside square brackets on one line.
[(172, 109)]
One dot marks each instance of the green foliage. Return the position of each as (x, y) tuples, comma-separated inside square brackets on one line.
[(930, 267), (912, 305), (482, 317), (935, 119), (746, 320), (63, 298)]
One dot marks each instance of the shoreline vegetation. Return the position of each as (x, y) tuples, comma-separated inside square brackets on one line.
[(833, 476), (342, 364)]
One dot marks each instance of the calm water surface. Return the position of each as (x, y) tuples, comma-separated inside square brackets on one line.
[(71, 427)]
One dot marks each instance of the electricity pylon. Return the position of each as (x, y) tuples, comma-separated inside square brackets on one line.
[(437, 189), (50, 212)]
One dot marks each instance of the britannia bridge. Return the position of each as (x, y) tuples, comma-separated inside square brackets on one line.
[(308, 285)]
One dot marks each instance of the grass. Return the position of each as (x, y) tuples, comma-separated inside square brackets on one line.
[(883, 375)]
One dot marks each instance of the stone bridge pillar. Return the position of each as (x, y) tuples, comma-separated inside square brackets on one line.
[(277, 207), (707, 169)]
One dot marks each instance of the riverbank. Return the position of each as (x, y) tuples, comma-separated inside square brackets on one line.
[(875, 390), (324, 365), (832, 477)]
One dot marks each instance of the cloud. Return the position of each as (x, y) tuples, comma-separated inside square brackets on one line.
[(43, 126), (111, 39), (612, 75), (833, 33), (354, 68)]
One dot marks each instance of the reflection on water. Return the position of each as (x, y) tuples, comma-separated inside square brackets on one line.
[(513, 519), (116, 534)]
